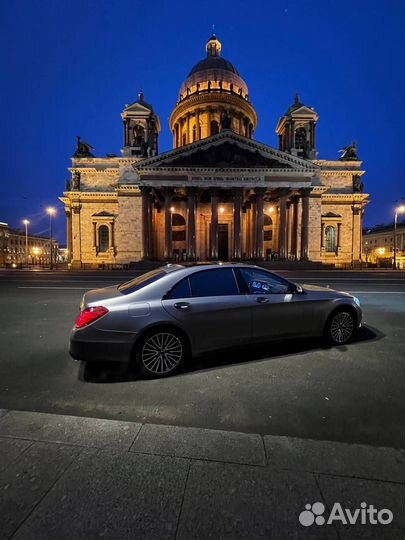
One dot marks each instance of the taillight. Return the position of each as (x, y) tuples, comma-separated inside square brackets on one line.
[(89, 315)]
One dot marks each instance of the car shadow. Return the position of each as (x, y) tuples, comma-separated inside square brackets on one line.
[(116, 372)]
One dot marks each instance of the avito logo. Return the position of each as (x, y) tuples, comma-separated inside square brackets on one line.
[(366, 514)]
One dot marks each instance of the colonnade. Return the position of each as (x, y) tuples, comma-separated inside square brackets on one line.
[(289, 210)]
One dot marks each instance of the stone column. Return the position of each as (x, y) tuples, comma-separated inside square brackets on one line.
[(282, 230), (76, 235), (294, 227), (259, 222), (168, 224), (237, 223), (188, 138), (197, 123), (191, 231), (146, 223), (305, 224), (214, 223), (69, 238)]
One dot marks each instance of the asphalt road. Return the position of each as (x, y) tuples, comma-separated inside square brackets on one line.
[(353, 393)]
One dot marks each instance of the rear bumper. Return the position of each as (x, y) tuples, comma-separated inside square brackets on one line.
[(95, 348)]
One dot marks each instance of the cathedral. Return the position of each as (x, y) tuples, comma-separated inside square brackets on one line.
[(219, 194)]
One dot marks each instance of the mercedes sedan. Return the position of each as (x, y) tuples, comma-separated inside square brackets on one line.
[(163, 317)]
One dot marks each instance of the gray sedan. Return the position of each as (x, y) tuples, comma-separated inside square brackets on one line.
[(165, 316)]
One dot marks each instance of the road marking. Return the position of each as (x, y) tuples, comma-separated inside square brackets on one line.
[(59, 288)]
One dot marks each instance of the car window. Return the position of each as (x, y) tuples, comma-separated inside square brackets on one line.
[(141, 281), (218, 282), (180, 290), (259, 282)]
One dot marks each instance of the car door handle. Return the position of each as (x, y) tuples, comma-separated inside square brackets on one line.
[(182, 305), (262, 300)]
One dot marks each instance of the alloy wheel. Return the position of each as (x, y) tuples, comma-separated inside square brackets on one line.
[(342, 327), (162, 353)]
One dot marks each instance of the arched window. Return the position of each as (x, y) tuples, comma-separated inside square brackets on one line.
[(330, 239), (194, 133), (300, 138), (214, 127), (103, 238), (178, 228), (268, 228), (178, 220)]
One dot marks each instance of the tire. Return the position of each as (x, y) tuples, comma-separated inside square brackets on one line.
[(161, 352), (340, 327)]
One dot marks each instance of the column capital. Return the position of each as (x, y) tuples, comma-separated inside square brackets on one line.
[(260, 191), (295, 199), (305, 192)]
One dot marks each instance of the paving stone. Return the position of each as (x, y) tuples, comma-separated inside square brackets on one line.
[(69, 429), (196, 443), (232, 502), (10, 449), (26, 480), (3, 412), (351, 492), (113, 495), (335, 458)]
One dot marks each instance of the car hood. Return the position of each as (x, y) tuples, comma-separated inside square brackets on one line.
[(318, 288), (96, 295)]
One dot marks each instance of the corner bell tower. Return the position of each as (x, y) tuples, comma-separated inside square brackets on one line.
[(296, 130), (141, 129)]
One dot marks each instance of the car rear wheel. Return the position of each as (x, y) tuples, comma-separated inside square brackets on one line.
[(161, 353), (340, 327)]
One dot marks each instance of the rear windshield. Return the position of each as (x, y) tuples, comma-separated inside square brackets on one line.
[(141, 281)]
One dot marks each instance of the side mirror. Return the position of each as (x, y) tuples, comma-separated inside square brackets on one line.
[(298, 289)]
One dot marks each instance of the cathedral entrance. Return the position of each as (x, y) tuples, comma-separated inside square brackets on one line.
[(223, 242)]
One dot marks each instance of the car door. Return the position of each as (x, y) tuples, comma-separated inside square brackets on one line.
[(210, 308), (277, 311)]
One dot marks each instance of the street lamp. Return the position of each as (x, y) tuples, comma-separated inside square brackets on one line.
[(399, 210), (26, 223), (51, 211)]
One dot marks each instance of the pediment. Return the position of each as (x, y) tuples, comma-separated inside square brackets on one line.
[(303, 111), (226, 150), (227, 155), (137, 108)]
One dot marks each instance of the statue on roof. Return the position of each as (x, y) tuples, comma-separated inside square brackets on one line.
[(83, 149), (349, 153)]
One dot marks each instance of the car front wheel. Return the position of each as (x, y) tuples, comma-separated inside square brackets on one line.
[(161, 353), (340, 327)]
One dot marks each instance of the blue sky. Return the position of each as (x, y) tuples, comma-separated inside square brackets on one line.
[(68, 68)]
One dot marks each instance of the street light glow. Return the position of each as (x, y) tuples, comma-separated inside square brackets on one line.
[(400, 209), (26, 221), (51, 211)]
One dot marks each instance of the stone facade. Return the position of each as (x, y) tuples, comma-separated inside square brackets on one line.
[(219, 194)]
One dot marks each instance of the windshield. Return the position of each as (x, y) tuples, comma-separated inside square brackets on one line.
[(141, 281)]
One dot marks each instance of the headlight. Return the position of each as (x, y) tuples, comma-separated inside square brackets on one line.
[(356, 301)]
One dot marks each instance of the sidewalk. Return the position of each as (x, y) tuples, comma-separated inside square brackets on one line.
[(65, 477)]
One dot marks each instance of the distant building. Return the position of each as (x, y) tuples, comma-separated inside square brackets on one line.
[(13, 243), (378, 245), (219, 194)]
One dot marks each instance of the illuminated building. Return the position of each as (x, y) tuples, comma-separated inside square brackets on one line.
[(219, 194)]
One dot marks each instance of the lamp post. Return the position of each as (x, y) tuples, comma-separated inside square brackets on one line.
[(26, 223), (399, 210), (51, 211)]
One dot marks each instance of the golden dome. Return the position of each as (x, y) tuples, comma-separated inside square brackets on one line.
[(213, 97)]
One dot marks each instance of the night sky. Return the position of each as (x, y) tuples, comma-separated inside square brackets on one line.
[(69, 68)]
